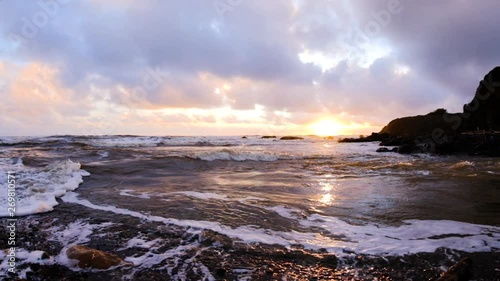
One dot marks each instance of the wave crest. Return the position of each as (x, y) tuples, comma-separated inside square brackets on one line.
[(37, 188)]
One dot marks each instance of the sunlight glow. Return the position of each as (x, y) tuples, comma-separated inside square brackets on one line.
[(373, 52), (327, 199), (401, 70), (325, 186), (327, 127), (319, 59)]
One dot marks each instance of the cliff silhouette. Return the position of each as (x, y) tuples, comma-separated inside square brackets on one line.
[(421, 125), (484, 109), (475, 131)]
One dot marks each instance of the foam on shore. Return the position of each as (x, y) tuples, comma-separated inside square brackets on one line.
[(36, 189), (413, 236)]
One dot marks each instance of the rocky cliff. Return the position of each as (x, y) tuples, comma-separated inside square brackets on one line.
[(421, 125), (483, 112), (474, 131)]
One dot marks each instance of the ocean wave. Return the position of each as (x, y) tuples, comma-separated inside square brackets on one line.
[(414, 236), (130, 141), (36, 189), (42, 141), (213, 196), (462, 165), (234, 155)]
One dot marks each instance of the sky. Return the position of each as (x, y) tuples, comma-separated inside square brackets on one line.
[(237, 67)]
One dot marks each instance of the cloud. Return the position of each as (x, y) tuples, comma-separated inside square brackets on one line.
[(33, 99), (96, 56)]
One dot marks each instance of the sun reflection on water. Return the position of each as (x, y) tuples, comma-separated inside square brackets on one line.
[(327, 198)]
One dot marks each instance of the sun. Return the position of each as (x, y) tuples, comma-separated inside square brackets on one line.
[(326, 127)]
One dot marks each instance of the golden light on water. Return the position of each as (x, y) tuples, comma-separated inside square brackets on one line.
[(325, 186), (328, 198)]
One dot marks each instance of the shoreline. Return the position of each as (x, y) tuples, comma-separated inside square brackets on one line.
[(215, 254)]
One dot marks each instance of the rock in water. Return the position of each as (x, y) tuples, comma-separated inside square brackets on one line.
[(383, 149), (459, 272), (88, 257), (372, 137), (291, 138)]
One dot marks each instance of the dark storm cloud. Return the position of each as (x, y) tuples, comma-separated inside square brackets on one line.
[(452, 42)]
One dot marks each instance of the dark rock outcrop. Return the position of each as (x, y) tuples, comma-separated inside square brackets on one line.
[(291, 138), (268, 137), (483, 112), (371, 138), (421, 125), (475, 131)]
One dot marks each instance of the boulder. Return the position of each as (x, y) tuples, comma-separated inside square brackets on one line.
[(409, 149), (268, 137), (373, 137), (386, 149), (88, 257)]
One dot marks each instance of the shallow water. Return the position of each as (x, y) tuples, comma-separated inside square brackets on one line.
[(316, 193)]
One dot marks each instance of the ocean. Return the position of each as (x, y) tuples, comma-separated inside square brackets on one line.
[(221, 208)]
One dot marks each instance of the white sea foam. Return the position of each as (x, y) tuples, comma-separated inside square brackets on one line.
[(284, 212), (203, 195), (126, 141), (37, 188), (22, 256), (412, 237), (131, 193), (103, 154), (193, 194), (213, 196), (13, 140), (141, 243), (173, 256), (243, 274), (75, 233)]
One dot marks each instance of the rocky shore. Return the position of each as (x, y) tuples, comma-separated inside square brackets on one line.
[(475, 131), (224, 258)]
